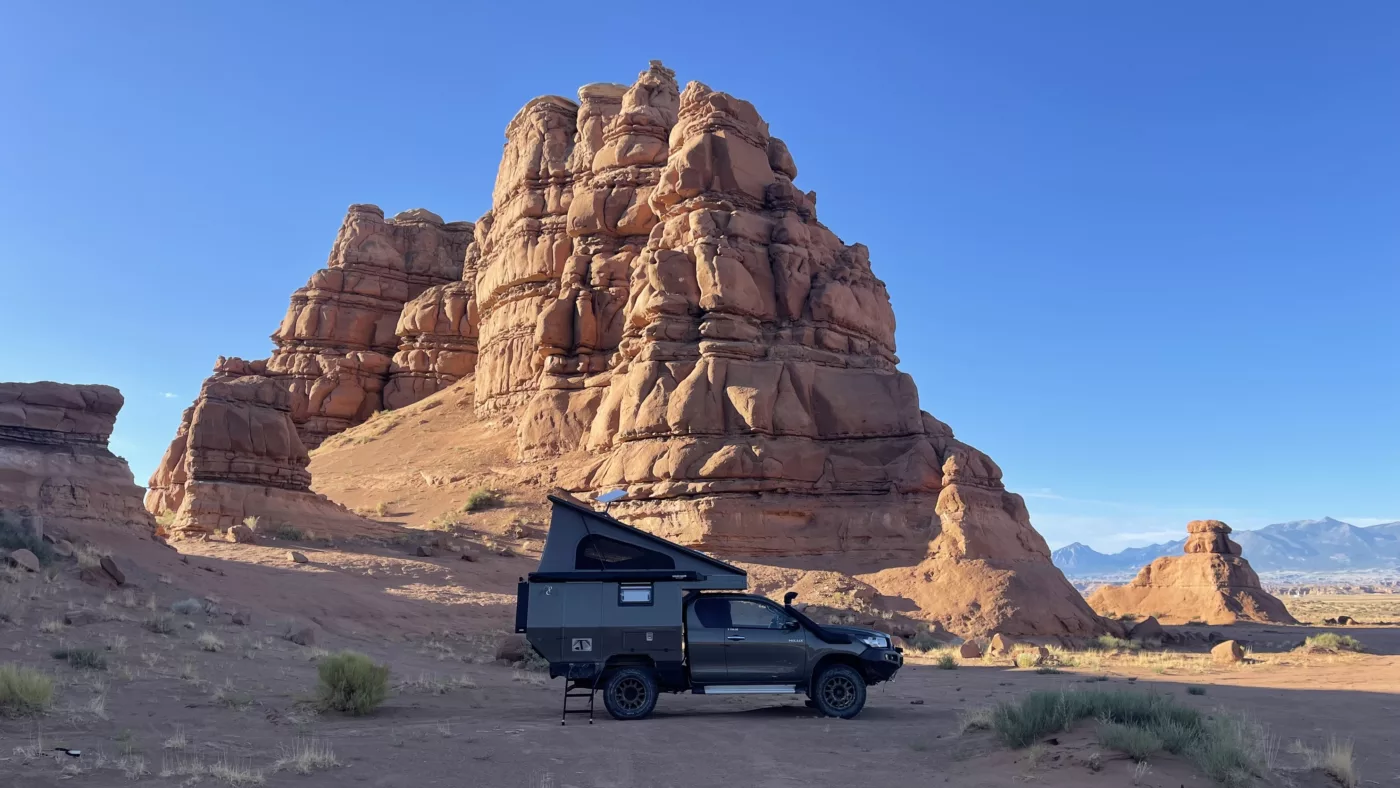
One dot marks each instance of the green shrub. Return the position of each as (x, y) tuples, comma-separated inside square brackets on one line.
[(1111, 643), (1139, 723), (1331, 642), (947, 662), (289, 532), (352, 683), (481, 498), (1195, 690), (24, 691), (1137, 743), (81, 658)]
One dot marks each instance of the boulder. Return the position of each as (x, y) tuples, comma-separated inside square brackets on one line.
[(78, 618), (1000, 645), (296, 557), (242, 534), (1211, 582), (113, 571), (1345, 620), (241, 617), (424, 551), (1227, 652), (1147, 629), (512, 648), (304, 635), (57, 473), (24, 559), (64, 548), (970, 650)]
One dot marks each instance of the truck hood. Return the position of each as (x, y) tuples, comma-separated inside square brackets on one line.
[(859, 632)]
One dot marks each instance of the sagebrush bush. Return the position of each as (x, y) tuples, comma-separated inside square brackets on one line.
[(161, 625), (351, 682), (187, 607), (947, 662), (81, 658), (1332, 642), (481, 498), (1228, 749), (24, 691)]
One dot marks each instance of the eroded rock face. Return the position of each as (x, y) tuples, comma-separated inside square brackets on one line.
[(237, 455), (56, 471), (335, 344), (657, 293), (438, 334), (1212, 582)]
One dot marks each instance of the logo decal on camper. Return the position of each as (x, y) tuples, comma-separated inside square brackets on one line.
[(583, 644)]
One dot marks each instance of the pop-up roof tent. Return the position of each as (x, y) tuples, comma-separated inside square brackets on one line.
[(588, 546)]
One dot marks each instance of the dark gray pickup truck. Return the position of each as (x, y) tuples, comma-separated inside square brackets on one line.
[(621, 611)]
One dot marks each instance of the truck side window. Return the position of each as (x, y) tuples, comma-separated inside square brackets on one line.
[(713, 613), (755, 615), (599, 552)]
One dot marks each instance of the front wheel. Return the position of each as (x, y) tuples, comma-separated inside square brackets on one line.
[(630, 693), (839, 692)]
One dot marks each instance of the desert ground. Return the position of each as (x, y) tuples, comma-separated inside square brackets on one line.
[(211, 701)]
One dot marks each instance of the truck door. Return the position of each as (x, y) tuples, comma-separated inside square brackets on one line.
[(707, 622), (764, 645)]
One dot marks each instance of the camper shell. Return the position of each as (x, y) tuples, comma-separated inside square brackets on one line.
[(610, 599)]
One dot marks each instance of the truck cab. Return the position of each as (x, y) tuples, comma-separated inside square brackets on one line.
[(621, 611)]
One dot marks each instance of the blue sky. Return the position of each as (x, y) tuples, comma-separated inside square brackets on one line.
[(1146, 255)]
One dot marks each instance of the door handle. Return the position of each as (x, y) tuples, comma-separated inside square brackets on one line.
[(735, 637)]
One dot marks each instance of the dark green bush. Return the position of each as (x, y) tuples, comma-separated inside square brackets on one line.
[(352, 683)]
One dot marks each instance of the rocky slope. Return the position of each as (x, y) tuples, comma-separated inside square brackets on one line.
[(56, 471), (1211, 582), (651, 304)]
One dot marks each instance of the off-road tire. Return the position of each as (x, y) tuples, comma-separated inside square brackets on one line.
[(630, 693), (839, 692)]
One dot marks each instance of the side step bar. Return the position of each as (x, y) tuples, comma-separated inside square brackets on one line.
[(747, 689)]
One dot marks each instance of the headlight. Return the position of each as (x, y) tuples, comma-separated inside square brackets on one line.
[(875, 641)]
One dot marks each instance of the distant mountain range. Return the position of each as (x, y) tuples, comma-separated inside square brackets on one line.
[(1325, 545)]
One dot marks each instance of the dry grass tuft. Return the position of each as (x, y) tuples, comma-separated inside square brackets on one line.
[(177, 740), (306, 756), (1331, 643), (1335, 759), (51, 626), (208, 641)]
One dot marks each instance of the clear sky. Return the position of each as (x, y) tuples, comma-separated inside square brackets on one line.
[(1145, 255)]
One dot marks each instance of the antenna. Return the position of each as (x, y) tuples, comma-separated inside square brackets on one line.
[(609, 497)]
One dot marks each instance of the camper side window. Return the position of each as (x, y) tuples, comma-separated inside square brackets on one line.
[(634, 594), (600, 552)]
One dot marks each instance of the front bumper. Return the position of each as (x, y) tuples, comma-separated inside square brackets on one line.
[(880, 664)]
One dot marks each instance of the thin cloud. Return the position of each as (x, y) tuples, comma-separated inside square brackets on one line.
[(167, 395)]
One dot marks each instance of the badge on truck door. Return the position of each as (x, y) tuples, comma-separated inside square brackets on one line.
[(583, 644)]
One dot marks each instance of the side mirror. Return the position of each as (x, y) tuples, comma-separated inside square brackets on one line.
[(791, 625), (788, 597)]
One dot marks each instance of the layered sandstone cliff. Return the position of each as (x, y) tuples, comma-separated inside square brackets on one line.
[(1212, 582), (335, 345), (55, 468), (237, 455)]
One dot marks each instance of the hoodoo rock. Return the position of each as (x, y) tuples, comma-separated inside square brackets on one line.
[(1212, 583), (56, 471), (237, 455), (652, 304)]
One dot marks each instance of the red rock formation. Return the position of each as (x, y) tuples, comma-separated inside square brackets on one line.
[(438, 334), (334, 346), (55, 468), (1210, 583), (236, 455)]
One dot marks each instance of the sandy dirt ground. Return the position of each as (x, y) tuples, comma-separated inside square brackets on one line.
[(168, 712)]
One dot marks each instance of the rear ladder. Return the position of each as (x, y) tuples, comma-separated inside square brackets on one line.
[(579, 682)]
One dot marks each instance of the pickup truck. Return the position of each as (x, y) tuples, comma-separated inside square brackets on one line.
[(619, 610)]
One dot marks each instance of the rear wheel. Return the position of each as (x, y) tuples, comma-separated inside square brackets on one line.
[(839, 692), (630, 693)]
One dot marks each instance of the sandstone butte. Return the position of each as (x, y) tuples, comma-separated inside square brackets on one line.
[(650, 304), (56, 472), (1212, 583)]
